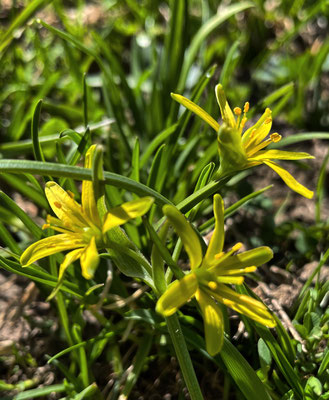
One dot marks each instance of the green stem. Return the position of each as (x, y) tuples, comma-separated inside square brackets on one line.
[(61, 304), (183, 357)]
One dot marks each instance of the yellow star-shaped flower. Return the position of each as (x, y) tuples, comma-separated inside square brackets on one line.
[(82, 229), (239, 149), (209, 276)]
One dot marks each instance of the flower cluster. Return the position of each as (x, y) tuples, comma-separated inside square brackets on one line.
[(209, 276), (239, 149), (82, 229)]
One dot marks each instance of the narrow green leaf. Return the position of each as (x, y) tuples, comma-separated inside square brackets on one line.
[(299, 137), (157, 141), (87, 392), (280, 359), (155, 168), (79, 173), (7, 202), (144, 348), (135, 162), (83, 364), (84, 343), (242, 373), (85, 102), (234, 207), (40, 392), (308, 283), (203, 180), (98, 181), (39, 276), (158, 239), (8, 240), (200, 37), (277, 94), (320, 188), (324, 363), (230, 63), (23, 145), (20, 21), (35, 133), (27, 190)]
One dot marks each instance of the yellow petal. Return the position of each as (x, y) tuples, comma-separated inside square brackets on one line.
[(89, 259), (217, 240), (213, 322), (259, 135), (196, 109), (65, 208), (280, 155), (225, 108), (177, 294), (68, 260), (243, 304), (250, 258), (290, 180), (186, 233), (50, 245), (132, 209), (248, 134), (87, 195)]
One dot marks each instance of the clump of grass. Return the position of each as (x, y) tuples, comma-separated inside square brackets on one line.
[(102, 75)]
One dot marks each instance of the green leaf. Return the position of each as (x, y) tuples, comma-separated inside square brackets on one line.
[(313, 385), (143, 350), (264, 353), (157, 141), (20, 21), (299, 137), (16, 210), (205, 30), (38, 155), (135, 162), (40, 392), (79, 173), (324, 363), (242, 373)]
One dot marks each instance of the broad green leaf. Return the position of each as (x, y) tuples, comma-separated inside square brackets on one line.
[(242, 373)]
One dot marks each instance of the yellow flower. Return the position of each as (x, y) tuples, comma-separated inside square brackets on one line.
[(239, 149), (209, 276), (81, 227)]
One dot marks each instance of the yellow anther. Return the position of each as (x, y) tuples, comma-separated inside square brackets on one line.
[(246, 107), (275, 137), (253, 133), (237, 247), (45, 226), (268, 120), (237, 110), (212, 285), (57, 204), (71, 194)]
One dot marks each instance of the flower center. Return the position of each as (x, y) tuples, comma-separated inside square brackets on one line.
[(89, 232)]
